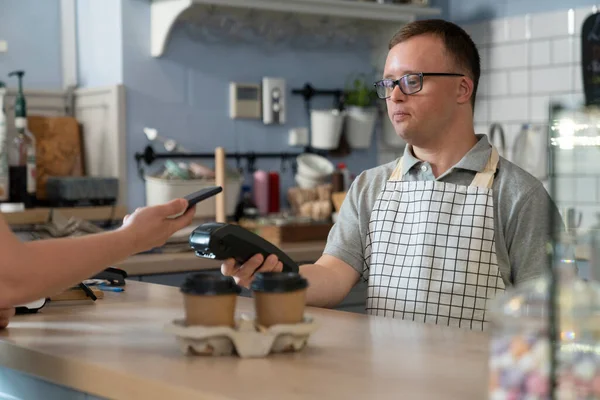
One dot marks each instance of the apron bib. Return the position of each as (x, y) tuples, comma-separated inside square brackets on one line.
[(431, 252)]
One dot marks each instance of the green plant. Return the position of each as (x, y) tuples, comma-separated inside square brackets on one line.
[(359, 92)]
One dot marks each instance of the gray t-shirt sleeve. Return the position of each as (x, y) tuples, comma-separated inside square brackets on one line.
[(346, 239), (529, 232)]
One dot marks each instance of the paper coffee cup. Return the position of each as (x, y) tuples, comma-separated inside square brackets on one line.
[(210, 300), (279, 297)]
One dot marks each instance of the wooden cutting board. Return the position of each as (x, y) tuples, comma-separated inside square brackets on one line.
[(58, 148)]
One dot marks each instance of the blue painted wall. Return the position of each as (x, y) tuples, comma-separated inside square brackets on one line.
[(184, 94), (32, 30), (99, 47)]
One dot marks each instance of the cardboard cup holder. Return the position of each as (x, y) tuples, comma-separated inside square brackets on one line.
[(246, 339)]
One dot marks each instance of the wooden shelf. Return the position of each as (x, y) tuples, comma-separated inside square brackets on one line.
[(165, 13), (42, 215)]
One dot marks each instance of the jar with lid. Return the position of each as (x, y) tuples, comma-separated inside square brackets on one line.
[(521, 351)]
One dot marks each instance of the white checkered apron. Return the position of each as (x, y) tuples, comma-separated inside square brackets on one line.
[(430, 250)]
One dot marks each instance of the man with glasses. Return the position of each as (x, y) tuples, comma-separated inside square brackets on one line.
[(448, 226)]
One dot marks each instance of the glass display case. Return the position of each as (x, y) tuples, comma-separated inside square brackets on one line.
[(545, 339)]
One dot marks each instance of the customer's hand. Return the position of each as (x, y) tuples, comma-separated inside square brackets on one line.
[(243, 274), (150, 227), (5, 315)]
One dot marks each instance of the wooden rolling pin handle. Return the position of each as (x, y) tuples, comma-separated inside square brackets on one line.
[(220, 181)]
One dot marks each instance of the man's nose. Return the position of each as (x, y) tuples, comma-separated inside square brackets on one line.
[(397, 94)]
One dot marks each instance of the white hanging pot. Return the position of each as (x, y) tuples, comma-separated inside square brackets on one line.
[(360, 125), (326, 128)]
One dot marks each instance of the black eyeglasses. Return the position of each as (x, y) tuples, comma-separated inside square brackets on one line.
[(409, 83)]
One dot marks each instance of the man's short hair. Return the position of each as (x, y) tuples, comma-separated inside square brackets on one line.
[(458, 44)]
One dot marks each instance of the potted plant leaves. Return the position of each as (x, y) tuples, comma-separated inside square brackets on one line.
[(361, 112)]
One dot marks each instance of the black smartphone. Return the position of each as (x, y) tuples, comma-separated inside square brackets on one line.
[(200, 195)]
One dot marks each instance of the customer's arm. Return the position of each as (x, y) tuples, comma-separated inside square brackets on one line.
[(32, 270), (5, 315)]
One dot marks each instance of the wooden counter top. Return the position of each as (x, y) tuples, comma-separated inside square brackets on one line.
[(146, 264), (116, 349)]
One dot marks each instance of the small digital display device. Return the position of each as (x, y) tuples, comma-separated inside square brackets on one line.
[(244, 100)]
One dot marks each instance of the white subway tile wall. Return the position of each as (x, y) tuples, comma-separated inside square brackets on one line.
[(585, 188), (513, 55), (482, 107), (509, 109), (498, 83), (518, 81), (517, 28), (530, 61), (540, 53), (538, 111), (562, 51), (550, 24), (552, 79)]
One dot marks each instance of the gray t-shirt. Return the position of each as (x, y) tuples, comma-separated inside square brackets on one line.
[(522, 212)]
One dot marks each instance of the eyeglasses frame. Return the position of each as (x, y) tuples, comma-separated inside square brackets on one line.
[(396, 82)]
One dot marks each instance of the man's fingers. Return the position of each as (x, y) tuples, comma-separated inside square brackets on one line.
[(246, 271), (270, 263), (228, 267), (268, 266)]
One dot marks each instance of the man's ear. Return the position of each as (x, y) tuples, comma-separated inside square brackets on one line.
[(465, 90)]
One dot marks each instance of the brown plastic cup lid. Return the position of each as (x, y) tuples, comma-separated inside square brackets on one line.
[(278, 282), (209, 284)]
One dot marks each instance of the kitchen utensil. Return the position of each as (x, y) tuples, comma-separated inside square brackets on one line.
[(170, 145), (220, 181), (497, 128), (307, 183), (360, 125), (58, 149), (337, 181), (530, 151), (326, 128), (273, 192), (261, 191), (338, 199), (573, 220), (314, 166)]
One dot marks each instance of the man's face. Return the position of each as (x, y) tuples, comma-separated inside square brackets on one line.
[(421, 117)]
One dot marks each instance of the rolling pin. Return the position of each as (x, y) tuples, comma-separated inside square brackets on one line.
[(220, 181)]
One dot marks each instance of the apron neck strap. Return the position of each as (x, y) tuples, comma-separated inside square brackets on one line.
[(483, 179)]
